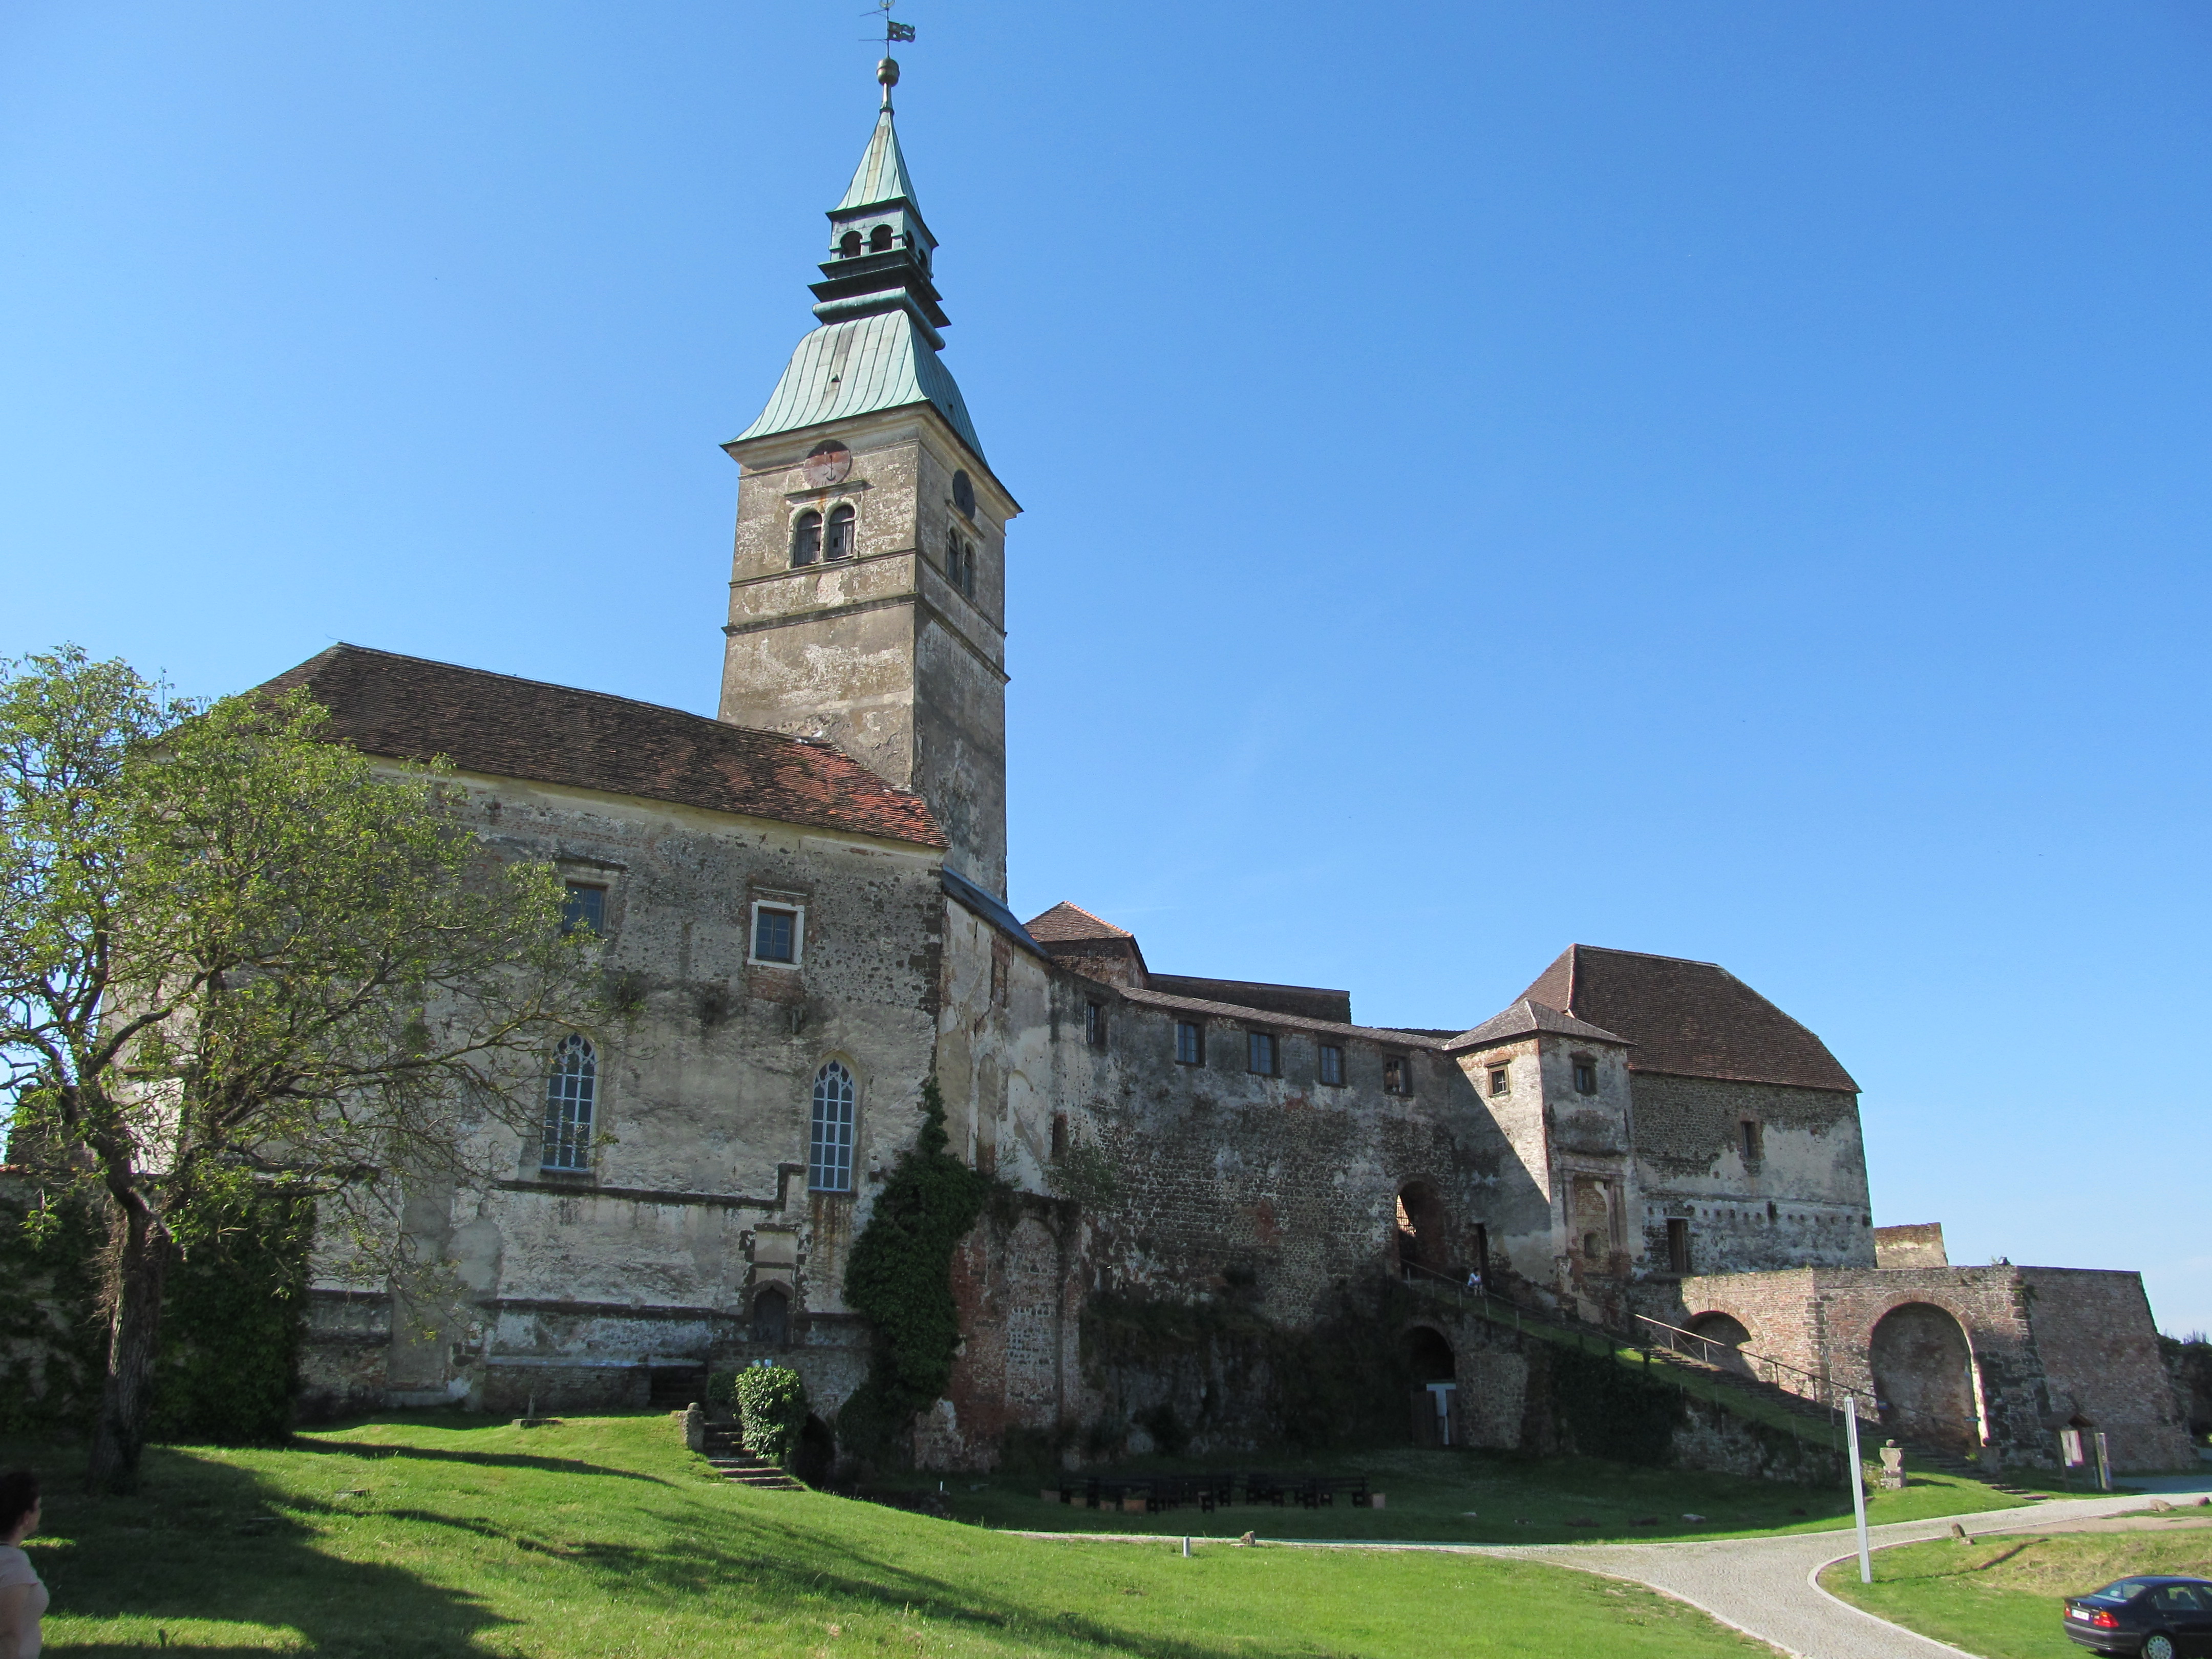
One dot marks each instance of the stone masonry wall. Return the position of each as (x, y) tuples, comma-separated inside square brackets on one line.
[(2100, 1349)]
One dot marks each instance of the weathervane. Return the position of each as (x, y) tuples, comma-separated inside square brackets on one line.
[(894, 32)]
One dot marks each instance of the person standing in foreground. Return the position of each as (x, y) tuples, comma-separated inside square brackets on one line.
[(23, 1597)]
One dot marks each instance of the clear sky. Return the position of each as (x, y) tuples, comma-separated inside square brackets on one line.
[(1721, 479)]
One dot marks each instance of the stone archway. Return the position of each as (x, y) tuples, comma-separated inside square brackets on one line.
[(1923, 1377), (1725, 1330), (1434, 1370), (1420, 1225)]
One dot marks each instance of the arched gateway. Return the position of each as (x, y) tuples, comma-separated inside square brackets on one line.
[(1923, 1377)]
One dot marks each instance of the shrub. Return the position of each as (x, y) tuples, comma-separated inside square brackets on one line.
[(772, 1406)]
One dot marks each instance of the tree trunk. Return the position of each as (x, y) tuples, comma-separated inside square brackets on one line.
[(134, 1328)]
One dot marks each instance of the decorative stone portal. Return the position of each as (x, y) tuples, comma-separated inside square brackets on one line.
[(1923, 1377)]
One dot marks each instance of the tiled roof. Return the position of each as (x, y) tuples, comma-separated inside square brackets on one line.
[(1071, 922), (1307, 1001), (410, 708), (1528, 1018), (1231, 1011), (1687, 1019), (857, 367)]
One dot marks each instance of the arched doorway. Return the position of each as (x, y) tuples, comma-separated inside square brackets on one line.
[(1727, 1335), (1923, 1377), (772, 1317), (1435, 1370), (1422, 1249)]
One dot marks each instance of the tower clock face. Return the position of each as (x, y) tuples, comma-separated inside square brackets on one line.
[(827, 463)]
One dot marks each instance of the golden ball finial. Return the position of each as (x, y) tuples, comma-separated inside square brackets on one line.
[(887, 71)]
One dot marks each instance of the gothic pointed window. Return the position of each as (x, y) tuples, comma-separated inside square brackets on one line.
[(848, 245), (879, 239), (572, 1091), (807, 538), (839, 542), (829, 1140)]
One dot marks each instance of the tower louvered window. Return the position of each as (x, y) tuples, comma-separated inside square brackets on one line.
[(830, 1144), (839, 544), (571, 1097), (807, 538)]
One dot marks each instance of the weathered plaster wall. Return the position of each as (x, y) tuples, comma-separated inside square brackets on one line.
[(697, 1198), (1801, 1200)]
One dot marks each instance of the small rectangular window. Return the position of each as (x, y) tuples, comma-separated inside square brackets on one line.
[(1094, 1024), (1397, 1075), (1332, 1063), (1501, 1080), (775, 934), (1059, 1135), (1478, 1243), (1190, 1042), (1678, 1247), (1753, 1142), (1259, 1053), (1585, 1077), (585, 907)]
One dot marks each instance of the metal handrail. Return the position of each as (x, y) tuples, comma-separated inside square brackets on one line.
[(1820, 1388)]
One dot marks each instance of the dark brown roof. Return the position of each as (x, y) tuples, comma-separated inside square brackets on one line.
[(412, 709), (1239, 1014), (1687, 1019), (1071, 922), (1306, 1001)]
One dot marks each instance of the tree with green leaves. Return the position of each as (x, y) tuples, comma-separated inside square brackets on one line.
[(238, 957)]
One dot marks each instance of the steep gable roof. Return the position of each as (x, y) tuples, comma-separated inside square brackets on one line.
[(1071, 922), (410, 708), (1528, 1018), (1687, 1019)]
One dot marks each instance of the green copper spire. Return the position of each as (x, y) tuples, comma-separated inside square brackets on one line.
[(877, 348)]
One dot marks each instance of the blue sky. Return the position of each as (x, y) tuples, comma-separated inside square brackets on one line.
[(1720, 479)]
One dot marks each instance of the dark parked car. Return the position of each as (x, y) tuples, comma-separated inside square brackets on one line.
[(2145, 1618)]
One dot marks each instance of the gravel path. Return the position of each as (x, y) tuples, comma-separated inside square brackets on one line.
[(1764, 1586)]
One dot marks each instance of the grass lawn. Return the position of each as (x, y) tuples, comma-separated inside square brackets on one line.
[(448, 1535), (1999, 1596), (1490, 1498)]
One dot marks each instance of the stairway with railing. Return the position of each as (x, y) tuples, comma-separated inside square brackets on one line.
[(1755, 1387)]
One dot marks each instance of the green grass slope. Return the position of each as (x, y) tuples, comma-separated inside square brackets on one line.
[(2001, 1597), (602, 1536)]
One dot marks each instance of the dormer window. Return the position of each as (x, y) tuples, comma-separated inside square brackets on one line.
[(848, 245), (839, 542), (879, 239), (807, 538)]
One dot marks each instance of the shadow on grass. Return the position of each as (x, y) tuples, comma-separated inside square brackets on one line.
[(205, 1539), (376, 1451)]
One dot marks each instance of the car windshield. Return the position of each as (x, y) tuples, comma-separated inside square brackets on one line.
[(2126, 1590)]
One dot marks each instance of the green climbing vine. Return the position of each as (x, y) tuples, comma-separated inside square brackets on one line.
[(900, 1278)]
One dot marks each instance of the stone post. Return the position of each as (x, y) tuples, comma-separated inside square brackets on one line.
[(695, 1426)]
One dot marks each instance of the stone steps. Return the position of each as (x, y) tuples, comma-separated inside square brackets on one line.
[(729, 1458)]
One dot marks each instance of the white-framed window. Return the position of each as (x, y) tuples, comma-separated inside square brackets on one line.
[(572, 1091), (830, 1137), (778, 932)]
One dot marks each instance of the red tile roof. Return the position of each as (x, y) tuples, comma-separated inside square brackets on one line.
[(1071, 922), (410, 708), (1687, 1019)]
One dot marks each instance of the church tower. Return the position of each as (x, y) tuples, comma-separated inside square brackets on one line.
[(867, 592)]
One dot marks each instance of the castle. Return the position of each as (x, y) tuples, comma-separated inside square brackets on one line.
[(804, 900)]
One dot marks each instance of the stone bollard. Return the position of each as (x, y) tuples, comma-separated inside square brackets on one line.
[(1893, 1467), (695, 1426)]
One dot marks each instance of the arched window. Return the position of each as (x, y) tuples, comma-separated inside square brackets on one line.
[(879, 239), (841, 533), (963, 494), (848, 245), (772, 1317), (807, 538), (830, 1145), (572, 1091)]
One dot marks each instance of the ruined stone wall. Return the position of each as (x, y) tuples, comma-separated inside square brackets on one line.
[(698, 1197), (1800, 1201), (2098, 1345)]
